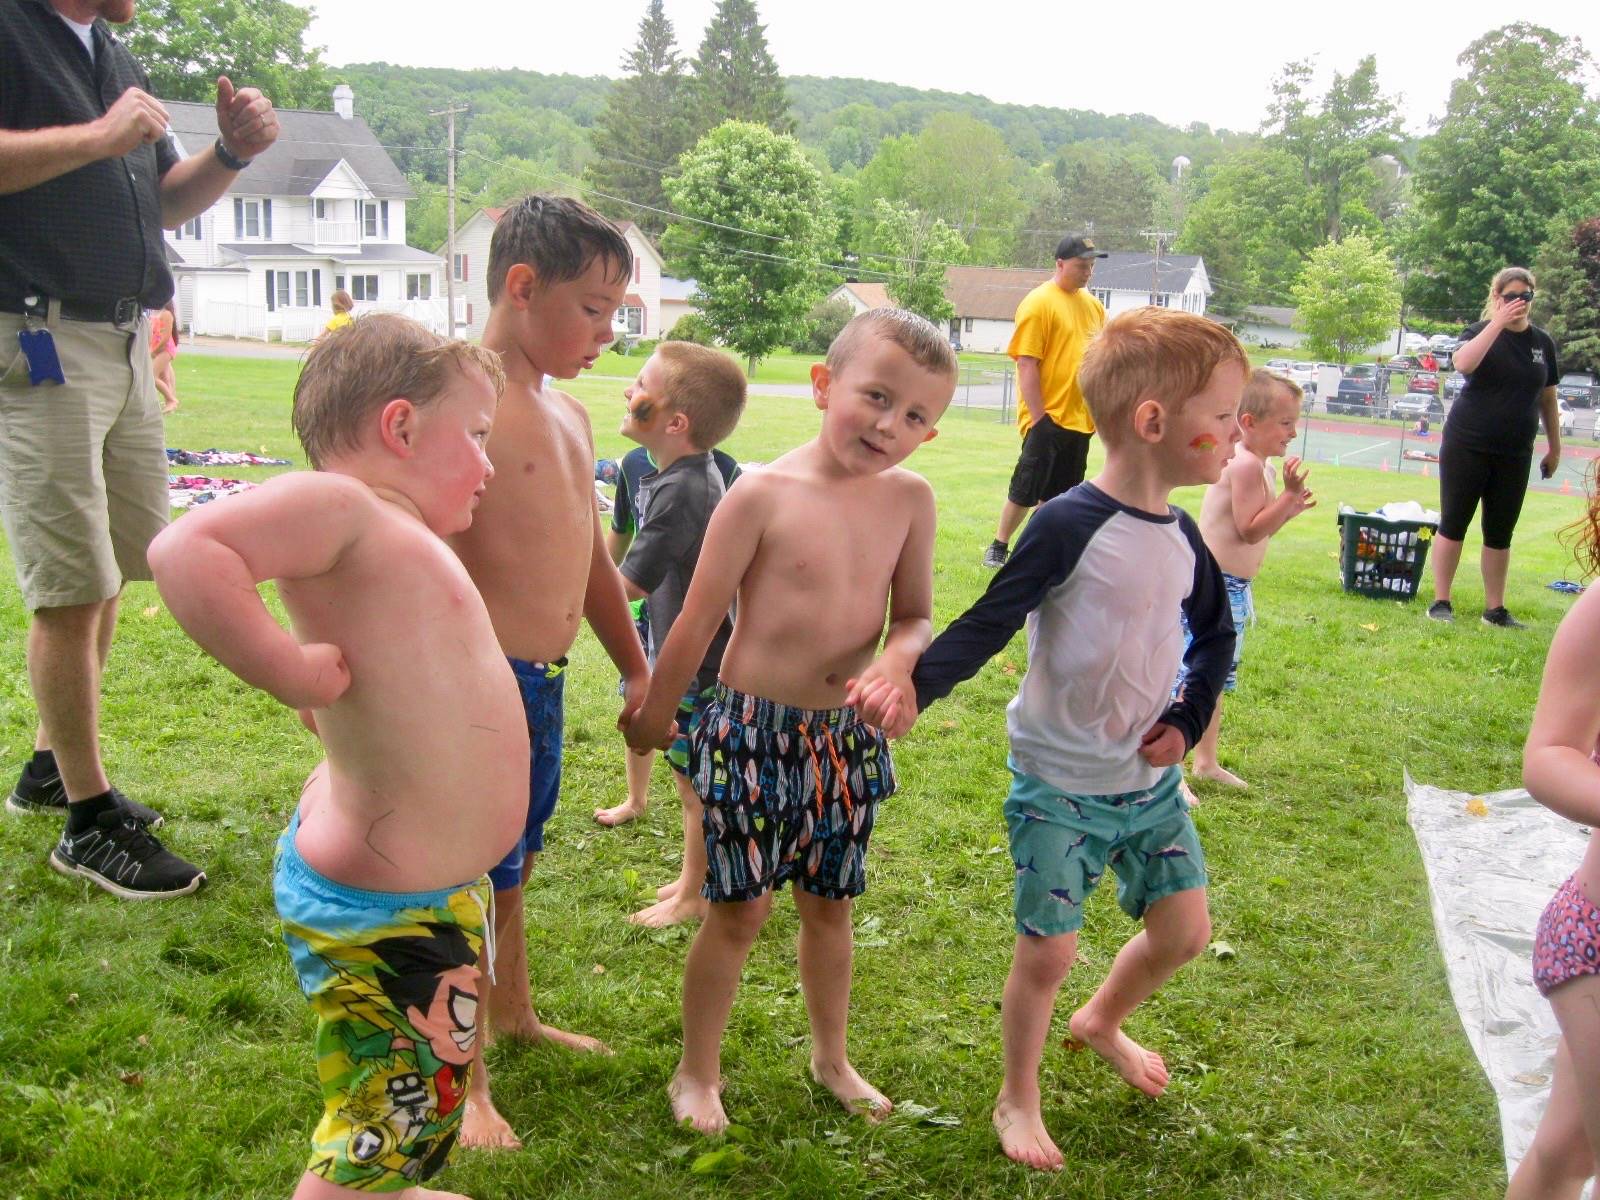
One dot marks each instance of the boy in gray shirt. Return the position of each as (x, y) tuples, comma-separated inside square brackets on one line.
[(686, 399)]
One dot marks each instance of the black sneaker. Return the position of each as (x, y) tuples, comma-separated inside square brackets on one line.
[(995, 556), (47, 794), (1440, 610), (120, 855), (1501, 618)]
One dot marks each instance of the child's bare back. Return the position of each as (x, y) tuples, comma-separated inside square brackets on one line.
[(813, 601)]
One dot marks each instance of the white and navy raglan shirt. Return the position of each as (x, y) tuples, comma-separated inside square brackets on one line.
[(1099, 586)]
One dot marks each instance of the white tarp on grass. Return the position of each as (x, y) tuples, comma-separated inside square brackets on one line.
[(1489, 878)]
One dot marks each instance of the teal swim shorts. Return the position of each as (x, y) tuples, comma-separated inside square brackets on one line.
[(1062, 843)]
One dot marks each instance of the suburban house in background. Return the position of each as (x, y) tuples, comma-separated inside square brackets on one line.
[(323, 209), (1273, 327), (645, 311), (986, 298)]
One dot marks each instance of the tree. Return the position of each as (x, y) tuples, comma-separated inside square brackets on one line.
[(1567, 303), (912, 251), (644, 128), (759, 224), (1106, 189), (1347, 297), (1519, 148), (1253, 224), (735, 76), (185, 44)]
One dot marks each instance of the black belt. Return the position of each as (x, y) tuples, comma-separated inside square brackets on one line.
[(109, 312)]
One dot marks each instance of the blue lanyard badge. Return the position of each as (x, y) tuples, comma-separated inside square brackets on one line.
[(39, 348)]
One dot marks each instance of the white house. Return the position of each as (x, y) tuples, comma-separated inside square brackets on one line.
[(642, 315), (986, 298), (860, 296), (677, 301), (323, 209)]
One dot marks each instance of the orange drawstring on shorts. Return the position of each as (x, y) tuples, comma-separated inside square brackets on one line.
[(816, 765)]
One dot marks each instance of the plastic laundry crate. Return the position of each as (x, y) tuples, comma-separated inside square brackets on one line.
[(1383, 558)]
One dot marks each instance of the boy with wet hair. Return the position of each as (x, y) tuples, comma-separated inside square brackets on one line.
[(1099, 579), (379, 879), (685, 401), (1240, 512), (558, 271), (817, 547)]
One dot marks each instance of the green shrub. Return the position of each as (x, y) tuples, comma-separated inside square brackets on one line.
[(822, 325), (692, 327)]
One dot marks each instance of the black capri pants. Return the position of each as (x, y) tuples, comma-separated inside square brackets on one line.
[(1053, 459), (1467, 476)]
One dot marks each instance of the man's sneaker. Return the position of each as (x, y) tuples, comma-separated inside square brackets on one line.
[(995, 556), (120, 855), (1501, 619), (47, 794), (1440, 610)]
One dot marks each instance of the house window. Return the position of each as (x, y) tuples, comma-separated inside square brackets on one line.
[(302, 290), (461, 268), (635, 321), (383, 209), (1161, 299), (282, 278), (322, 210), (369, 220), (188, 229), (1102, 294), (363, 287), (246, 218), (966, 325), (338, 283), (419, 287)]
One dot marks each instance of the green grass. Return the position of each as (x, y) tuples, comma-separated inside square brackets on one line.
[(162, 1050)]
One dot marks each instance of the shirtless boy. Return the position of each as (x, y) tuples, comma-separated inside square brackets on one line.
[(1240, 512), (558, 270), (817, 546), (379, 878)]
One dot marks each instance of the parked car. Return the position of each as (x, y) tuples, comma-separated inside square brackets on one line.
[(1417, 404), (1453, 383), (1413, 341), (1404, 362), (1356, 396), (1305, 374), (1444, 343), (1577, 389), (1281, 365), (1360, 371), (1566, 419), (1424, 381)]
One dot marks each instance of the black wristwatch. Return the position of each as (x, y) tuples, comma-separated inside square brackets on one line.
[(227, 159)]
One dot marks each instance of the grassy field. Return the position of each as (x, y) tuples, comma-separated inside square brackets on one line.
[(162, 1050)]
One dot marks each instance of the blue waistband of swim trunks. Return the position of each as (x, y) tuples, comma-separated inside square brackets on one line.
[(308, 876), (770, 714), (539, 670)]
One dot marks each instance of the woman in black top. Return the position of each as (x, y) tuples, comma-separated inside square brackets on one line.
[(1487, 448)]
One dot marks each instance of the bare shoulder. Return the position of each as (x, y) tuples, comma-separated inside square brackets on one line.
[(907, 487)]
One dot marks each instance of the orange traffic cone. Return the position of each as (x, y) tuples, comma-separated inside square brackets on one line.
[(1386, 464), (1566, 487), (1424, 470)]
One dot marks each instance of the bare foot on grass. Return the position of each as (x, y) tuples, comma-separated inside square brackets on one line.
[(698, 1104), (483, 1128), (858, 1096), (621, 814), (1189, 797), (674, 910), (573, 1041), (1218, 774), (1140, 1068), (1023, 1137)]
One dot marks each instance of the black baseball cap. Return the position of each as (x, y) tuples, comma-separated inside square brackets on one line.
[(1077, 246)]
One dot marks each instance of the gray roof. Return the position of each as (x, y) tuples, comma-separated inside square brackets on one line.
[(308, 147), (384, 252), (677, 289), (1269, 314), (271, 250), (1130, 271)]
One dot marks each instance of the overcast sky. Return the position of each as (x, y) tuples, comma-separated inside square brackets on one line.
[(1179, 62)]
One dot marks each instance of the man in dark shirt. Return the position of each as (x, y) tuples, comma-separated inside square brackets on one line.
[(88, 179)]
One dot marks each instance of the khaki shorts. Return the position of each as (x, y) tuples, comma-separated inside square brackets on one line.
[(83, 466)]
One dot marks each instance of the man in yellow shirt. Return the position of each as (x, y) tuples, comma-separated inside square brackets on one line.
[(1053, 326)]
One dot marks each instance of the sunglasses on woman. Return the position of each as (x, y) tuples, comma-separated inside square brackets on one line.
[(1514, 297)]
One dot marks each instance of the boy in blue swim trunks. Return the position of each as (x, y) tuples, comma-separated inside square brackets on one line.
[(631, 470), (817, 546), (686, 399), (1098, 580), (379, 878), (558, 270)]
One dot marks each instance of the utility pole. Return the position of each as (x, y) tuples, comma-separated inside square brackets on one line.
[(450, 115), (1161, 238)]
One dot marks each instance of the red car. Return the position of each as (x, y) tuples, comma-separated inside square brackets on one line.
[(1425, 381)]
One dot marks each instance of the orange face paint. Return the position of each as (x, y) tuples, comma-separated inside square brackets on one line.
[(1205, 443)]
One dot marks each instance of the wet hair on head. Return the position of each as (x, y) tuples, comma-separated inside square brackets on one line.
[(914, 334), (381, 357), (558, 237), (1263, 388), (706, 386), (1160, 354)]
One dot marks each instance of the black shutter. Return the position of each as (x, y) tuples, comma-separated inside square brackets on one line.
[(266, 220), (316, 289), (238, 218), (272, 295)]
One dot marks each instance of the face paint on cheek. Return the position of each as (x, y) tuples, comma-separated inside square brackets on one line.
[(1205, 443), (643, 410)]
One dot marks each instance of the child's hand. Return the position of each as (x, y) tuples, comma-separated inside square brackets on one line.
[(323, 676), (1294, 475), (1162, 745), (645, 732), (634, 691), (882, 703)]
